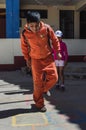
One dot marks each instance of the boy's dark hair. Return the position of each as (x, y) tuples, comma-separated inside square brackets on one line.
[(32, 17)]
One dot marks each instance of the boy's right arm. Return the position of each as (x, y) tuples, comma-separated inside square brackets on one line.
[(25, 51)]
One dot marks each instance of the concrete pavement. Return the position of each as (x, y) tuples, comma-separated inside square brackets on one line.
[(65, 110)]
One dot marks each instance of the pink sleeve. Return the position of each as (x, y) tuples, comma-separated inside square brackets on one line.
[(66, 52)]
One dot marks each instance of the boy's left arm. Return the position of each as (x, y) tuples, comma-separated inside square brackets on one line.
[(55, 43)]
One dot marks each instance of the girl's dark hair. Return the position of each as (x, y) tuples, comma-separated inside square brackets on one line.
[(32, 17)]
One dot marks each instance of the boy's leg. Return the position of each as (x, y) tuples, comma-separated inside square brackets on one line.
[(51, 77), (39, 67), (38, 84)]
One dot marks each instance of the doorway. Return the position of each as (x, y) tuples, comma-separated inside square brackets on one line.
[(2, 23)]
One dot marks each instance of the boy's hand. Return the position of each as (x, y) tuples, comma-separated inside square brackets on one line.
[(28, 63), (59, 56)]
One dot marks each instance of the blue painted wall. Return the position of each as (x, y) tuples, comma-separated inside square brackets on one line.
[(12, 18)]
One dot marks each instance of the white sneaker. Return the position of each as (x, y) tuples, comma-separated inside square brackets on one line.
[(62, 88), (48, 93)]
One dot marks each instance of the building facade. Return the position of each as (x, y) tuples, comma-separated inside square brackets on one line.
[(69, 17)]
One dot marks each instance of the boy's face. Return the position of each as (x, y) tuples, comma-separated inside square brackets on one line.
[(34, 27)]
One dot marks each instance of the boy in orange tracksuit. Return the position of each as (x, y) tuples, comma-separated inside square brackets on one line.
[(38, 56)]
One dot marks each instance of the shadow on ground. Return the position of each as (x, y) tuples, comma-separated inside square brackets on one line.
[(17, 78), (13, 112), (70, 103)]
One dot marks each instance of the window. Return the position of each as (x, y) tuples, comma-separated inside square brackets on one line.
[(67, 23), (83, 24), (43, 13)]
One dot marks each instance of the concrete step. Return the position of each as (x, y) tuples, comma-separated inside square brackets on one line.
[(76, 70), (73, 70)]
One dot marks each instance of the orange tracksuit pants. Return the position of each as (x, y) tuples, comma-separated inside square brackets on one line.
[(44, 78)]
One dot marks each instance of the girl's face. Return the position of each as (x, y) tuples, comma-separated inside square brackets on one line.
[(34, 26), (60, 39)]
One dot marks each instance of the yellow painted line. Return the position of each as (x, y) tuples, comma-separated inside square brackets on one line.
[(14, 123), (46, 120)]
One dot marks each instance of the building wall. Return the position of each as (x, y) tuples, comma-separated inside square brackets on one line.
[(53, 16), (76, 24), (2, 6), (10, 52), (11, 48)]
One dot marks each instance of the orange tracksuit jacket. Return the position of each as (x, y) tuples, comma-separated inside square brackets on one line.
[(42, 63)]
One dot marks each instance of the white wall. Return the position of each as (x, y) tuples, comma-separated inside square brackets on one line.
[(8, 49), (11, 47), (76, 46)]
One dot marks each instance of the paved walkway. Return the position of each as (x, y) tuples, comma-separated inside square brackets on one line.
[(65, 110)]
